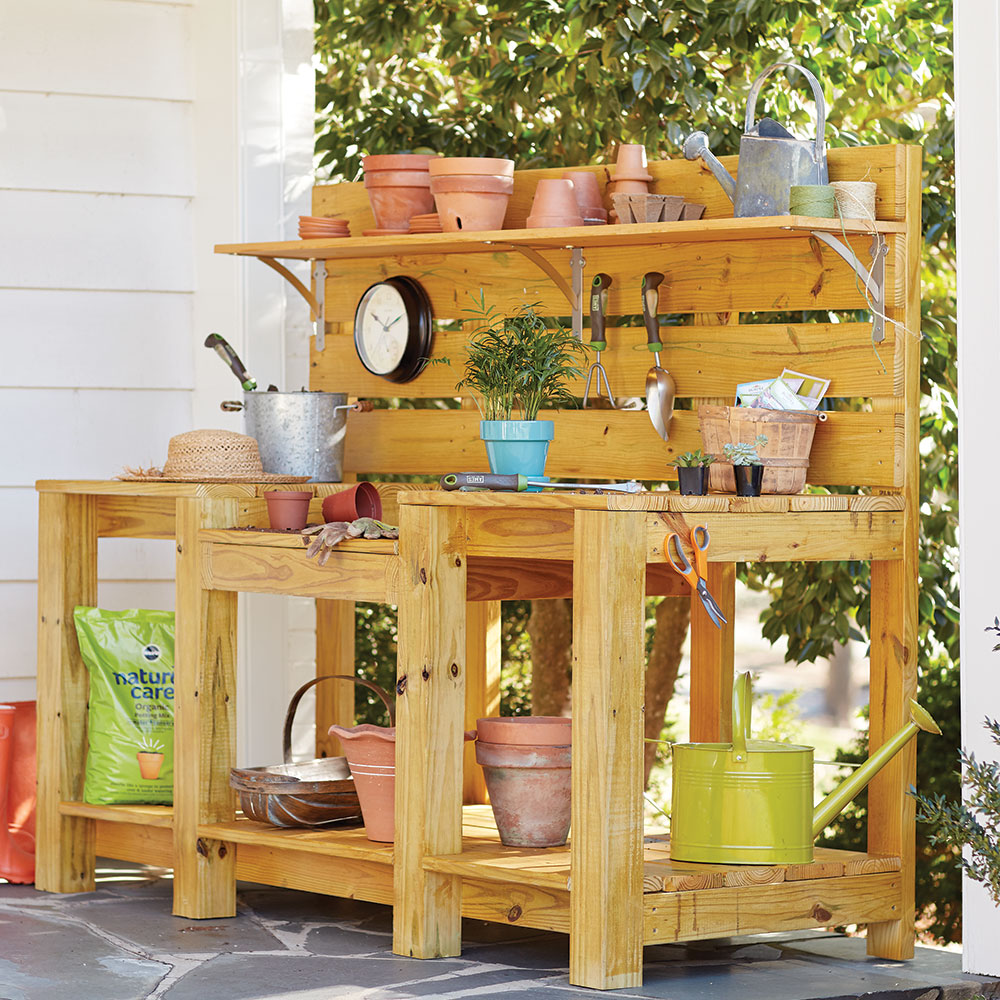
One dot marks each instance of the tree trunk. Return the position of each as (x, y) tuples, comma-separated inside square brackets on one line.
[(551, 630), (673, 615)]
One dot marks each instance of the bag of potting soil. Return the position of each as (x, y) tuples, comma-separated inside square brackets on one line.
[(130, 725)]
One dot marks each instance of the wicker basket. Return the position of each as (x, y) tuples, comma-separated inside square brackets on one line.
[(311, 793), (785, 457)]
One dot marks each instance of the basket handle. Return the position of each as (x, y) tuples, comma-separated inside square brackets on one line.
[(286, 736)]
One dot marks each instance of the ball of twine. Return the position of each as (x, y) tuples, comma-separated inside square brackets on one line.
[(855, 199), (813, 200)]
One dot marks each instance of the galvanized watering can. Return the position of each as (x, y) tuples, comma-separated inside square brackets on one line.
[(771, 159), (750, 801)]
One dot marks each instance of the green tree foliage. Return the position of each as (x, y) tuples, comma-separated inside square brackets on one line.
[(561, 83)]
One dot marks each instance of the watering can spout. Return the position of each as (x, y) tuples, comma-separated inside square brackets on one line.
[(834, 803), (695, 146)]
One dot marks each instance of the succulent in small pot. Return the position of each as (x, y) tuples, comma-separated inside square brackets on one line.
[(692, 472), (747, 466)]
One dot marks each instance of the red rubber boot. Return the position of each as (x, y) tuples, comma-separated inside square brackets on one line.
[(16, 864)]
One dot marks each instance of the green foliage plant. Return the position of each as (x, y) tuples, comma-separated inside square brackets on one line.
[(520, 362), (692, 460), (744, 453)]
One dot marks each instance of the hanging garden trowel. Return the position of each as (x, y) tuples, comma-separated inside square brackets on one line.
[(659, 382)]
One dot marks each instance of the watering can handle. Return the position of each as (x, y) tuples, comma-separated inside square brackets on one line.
[(819, 149), (742, 700)]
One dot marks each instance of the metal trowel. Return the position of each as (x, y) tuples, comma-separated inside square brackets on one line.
[(660, 386)]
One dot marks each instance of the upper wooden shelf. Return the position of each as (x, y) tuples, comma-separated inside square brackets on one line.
[(584, 237)]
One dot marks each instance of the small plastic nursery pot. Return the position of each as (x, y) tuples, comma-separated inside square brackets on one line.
[(361, 500), (517, 446), (288, 510), (692, 481), (748, 479)]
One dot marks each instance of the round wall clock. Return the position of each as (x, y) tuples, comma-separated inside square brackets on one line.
[(392, 329)]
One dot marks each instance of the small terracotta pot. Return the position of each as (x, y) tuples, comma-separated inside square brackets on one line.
[(526, 730), (150, 763), (530, 792), (629, 187), (393, 206), (478, 183), (556, 198), (471, 165), (288, 509), (397, 161), (587, 189), (360, 500), (471, 211), (630, 164)]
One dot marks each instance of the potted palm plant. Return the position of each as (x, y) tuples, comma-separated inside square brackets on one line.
[(692, 472), (517, 365)]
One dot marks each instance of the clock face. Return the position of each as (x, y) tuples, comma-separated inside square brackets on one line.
[(393, 329), (380, 329)]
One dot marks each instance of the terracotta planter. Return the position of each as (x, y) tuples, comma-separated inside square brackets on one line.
[(361, 500), (288, 510), (16, 864), (150, 763), (555, 204), (470, 211), (588, 192), (530, 792), (478, 183), (526, 730), (371, 756), (628, 186), (398, 186), (442, 165), (631, 163), (397, 161)]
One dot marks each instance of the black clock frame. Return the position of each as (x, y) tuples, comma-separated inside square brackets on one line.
[(419, 332)]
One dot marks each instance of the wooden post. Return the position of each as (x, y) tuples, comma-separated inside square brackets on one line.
[(67, 576), (430, 711), (204, 720), (482, 686), (334, 655), (606, 911), (712, 659)]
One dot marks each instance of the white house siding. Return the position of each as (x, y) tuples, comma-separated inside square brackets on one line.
[(127, 150)]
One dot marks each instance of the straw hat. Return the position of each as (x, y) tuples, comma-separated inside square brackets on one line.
[(211, 456)]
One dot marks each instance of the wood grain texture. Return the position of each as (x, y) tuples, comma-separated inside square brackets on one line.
[(430, 712), (135, 517), (334, 655), (140, 842), (483, 655), (516, 905), (67, 576), (711, 707), (606, 849), (854, 449), (204, 720), (162, 816), (347, 842)]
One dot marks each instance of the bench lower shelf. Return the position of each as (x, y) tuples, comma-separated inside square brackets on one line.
[(528, 887)]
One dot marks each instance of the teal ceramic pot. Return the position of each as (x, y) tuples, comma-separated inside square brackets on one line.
[(517, 446)]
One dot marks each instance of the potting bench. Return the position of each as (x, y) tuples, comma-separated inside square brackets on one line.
[(458, 555)]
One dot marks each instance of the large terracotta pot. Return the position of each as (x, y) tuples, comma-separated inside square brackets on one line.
[(471, 191), (398, 186), (528, 777), (371, 756)]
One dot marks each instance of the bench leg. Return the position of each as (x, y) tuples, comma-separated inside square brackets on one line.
[(606, 906), (430, 711), (712, 659), (204, 721), (334, 655), (482, 686), (67, 576)]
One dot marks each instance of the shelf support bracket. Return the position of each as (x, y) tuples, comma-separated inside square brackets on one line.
[(574, 294), (315, 301), (873, 278)]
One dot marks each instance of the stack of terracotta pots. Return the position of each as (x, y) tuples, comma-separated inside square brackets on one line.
[(471, 192), (588, 196), (555, 205), (631, 174), (399, 187)]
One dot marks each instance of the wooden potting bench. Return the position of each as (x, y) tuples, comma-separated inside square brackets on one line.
[(459, 555)]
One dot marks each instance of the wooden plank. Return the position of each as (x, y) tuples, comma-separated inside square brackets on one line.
[(483, 655), (854, 449), (294, 540), (67, 576), (879, 501), (204, 720), (688, 916), (143, 815), (489, 861), (712, 652), (704, 360), (430, 707), (516, 905), (141, 843), (348, 574), (606, 849), (135, 517), (121, 488), (813, 501), (334, 655), (760, 505), (346, 842)]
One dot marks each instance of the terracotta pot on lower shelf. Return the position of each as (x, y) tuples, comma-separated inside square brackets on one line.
[(527, 765)]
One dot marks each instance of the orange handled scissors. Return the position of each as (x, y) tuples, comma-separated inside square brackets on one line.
[(695, 575)]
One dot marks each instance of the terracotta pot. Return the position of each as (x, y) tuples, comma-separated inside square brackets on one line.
[(397, 161), (588, 192), (530, 792), (398, 178), (555, 198), (550, 222), (150, 763), (631, 163), (479, 183), (471, 211), (288, 510), (371, 755), (628, 187), (392, 206), (360, 500), (526, 730), (471, 165), (16, 864)]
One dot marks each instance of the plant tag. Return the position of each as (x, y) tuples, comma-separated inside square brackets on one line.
[(809, 388)]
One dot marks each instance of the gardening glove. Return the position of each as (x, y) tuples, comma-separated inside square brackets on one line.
[(331, 534)]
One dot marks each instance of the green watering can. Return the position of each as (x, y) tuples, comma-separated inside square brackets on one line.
[(750, 801)]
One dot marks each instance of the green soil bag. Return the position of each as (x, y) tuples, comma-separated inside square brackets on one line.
[(130, 726)]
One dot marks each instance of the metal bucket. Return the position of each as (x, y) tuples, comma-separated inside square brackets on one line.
[(298, 433)]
